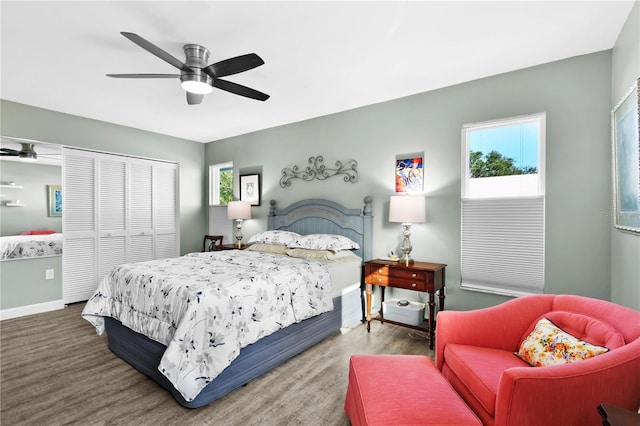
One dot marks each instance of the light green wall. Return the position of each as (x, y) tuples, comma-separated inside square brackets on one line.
[(29, 122), (625, 246), (575, 94), (33, 178), (23, 283)]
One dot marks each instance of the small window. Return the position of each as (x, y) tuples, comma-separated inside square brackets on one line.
[(220, 184)]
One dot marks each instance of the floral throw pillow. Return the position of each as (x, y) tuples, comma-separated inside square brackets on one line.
[(548, 345)]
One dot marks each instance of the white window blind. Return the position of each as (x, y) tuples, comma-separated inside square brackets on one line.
[(503, 245)]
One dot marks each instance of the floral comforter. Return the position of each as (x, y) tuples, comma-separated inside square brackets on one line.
[(21, 246), (205, 307)]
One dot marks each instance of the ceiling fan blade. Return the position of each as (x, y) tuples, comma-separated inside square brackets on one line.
[(194, 98), (234, 65), (239, 89), (9, 151), (144, 75), (155, 50)]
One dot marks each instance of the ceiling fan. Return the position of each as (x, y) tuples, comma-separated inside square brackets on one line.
[(196, 76), (26, 153)]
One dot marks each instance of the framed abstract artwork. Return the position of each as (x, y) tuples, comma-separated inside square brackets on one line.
[(625, 126), (250, 189), (409, 174), (55, 200)]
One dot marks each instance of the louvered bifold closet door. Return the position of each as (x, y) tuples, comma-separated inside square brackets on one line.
[(112, 232), (79, 278), (140, 241), (166, 196)]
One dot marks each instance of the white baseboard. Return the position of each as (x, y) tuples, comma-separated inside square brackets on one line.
[(38, 308)]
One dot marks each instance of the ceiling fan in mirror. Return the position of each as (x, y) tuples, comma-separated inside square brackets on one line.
[(26, 153), (25, 150)]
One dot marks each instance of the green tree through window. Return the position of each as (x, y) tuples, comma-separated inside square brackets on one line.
[(226, 185), (495, 164)]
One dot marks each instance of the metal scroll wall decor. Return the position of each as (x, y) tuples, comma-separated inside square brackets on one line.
[(317, 170)]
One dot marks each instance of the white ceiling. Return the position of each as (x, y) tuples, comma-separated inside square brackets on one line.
[(321, 57)]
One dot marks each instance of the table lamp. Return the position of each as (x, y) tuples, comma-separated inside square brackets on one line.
[(238, 210), (407, 209)]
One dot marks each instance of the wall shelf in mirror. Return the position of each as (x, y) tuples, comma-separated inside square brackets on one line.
[(10, 186), (10, 204)]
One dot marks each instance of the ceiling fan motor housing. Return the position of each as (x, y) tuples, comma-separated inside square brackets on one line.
[(196, 58)]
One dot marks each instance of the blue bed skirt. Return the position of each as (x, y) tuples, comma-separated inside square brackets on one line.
[(254, 360)]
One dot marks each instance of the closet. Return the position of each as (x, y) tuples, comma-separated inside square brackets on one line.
[(116, 209)]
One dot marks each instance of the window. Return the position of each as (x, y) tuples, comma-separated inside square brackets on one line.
[(502, 247), (220, 184)]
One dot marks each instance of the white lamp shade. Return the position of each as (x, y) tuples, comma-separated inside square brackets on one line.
[(239, 210), (407, 208)]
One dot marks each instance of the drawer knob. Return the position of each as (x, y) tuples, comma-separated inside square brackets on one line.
[(413, 275), (414, 285), (379, 271), (379, 280)]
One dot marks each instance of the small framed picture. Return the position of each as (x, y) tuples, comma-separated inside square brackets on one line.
[(250, 189), (409, 174), (55, 200)]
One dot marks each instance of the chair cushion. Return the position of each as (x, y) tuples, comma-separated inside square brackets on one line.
[(479, 369), (549, 345)]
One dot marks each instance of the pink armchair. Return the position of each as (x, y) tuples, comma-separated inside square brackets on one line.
[(474, 351)]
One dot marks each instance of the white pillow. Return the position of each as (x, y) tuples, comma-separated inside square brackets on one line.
[(324, 242), (282, 238)]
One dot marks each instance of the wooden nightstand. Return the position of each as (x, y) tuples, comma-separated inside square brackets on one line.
[(420, 276)]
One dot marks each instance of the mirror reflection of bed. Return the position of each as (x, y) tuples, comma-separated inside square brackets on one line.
[(30, 237)]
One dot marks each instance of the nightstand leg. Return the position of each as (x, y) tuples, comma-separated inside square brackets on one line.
[(442, 293), (432, 319), (369, 291)]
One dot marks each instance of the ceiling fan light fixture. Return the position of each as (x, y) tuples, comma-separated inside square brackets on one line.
[(198, 84)]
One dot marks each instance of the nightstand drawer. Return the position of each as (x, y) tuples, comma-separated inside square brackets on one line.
[(384, 275)]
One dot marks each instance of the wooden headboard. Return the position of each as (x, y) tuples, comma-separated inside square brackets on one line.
[(318, 216)]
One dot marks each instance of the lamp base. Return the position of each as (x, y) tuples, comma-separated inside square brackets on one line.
[(406, 244), (238, 233), (406, 259)]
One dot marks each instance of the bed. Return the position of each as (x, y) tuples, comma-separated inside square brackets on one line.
[(30, 246), (312, 321)]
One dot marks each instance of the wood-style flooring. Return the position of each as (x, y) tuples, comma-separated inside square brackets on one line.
[(55, 370)]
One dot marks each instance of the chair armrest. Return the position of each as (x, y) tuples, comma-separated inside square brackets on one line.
[(570, 393), (500, 326)]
